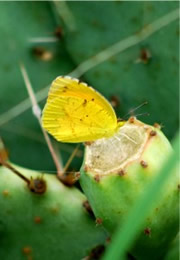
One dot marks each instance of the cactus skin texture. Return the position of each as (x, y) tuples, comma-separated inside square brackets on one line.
[(53, 225), (112, 193)]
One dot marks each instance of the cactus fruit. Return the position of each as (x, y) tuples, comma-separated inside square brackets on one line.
[(44, 221), (114, 175)]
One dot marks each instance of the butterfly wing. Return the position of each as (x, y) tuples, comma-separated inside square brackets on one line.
[(75, 112)]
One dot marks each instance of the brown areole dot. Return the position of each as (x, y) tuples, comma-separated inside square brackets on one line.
[(59, 32), (27, 250), (42, 53), (108, 240), (156, 125), (145, 55), (147, 231), (38, 220), (131, 119), (97, 178), (121, 172), (5, 193), (99, 221), (86, 168), (144, 164), (69, 178), (153, 133), (37, 185)]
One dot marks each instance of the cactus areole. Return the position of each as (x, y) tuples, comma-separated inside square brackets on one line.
[(114, 175)]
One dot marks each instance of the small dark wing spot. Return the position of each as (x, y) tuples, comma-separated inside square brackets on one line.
[(65, 89), (84, 102)]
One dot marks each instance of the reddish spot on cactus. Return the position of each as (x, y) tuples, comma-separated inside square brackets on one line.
[(86, 168), (42, 53), (144, 164), (38, 220), (131, 119), (69, 178), (97, 178), (147, 231), (108, 240), (37, 185), (59, 32), (153, 133), (99, 221), (156, 125), (27, 250), (5, 193), (121, 172), (145, 55)]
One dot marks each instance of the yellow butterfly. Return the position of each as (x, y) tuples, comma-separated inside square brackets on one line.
[(75, 112)]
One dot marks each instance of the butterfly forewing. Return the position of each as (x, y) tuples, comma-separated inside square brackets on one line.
[(76, 113)]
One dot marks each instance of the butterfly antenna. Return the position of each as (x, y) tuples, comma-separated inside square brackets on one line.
[(142, 114), (37, 112), (134, 109)]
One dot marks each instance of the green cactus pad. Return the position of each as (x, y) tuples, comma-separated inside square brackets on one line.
[(114, 175), (53, 225)]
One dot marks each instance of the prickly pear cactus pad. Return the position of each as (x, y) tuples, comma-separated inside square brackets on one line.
[(115, 173), (51, 225), (149, 68)]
